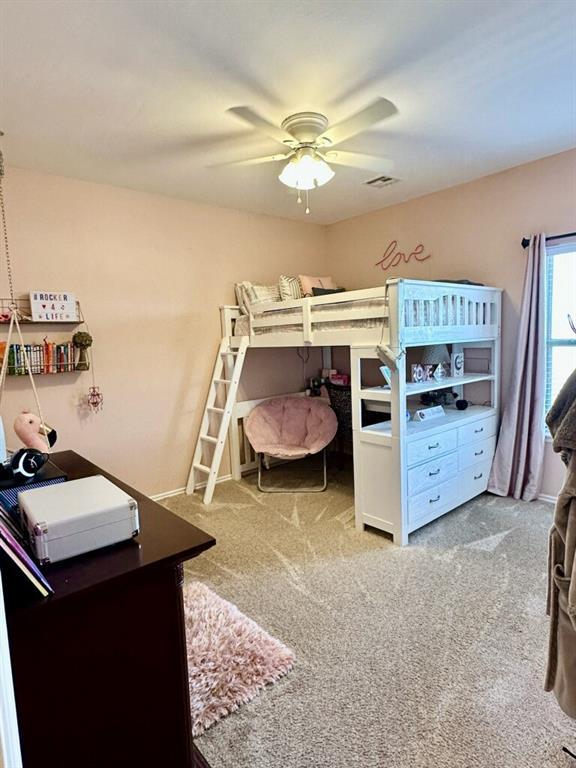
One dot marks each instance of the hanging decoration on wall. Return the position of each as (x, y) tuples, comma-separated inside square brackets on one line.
[(82, 340), (393, 257), (95, 398)]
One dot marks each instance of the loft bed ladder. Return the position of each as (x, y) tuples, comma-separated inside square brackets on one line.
[(226, 374)]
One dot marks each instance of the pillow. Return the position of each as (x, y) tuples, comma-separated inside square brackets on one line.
[(249, 295), (241, 296), (326, 291), (263, 292), (289, 288), (307, 283)]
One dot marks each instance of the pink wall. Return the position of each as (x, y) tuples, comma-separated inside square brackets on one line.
[(150, 273), (472, 231)]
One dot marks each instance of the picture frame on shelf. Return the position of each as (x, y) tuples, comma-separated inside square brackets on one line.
[(53, 307), (457, 364), (422, 372)]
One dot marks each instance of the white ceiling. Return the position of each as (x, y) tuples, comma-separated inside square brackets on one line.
[(134, 92)]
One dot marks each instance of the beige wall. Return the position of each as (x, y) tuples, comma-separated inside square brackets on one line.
[(472, 231), (151, 273)]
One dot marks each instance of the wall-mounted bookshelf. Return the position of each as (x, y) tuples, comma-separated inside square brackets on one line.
[(45, 358)]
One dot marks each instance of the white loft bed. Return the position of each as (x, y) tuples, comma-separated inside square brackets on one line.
[(391, 460), (401, 312)]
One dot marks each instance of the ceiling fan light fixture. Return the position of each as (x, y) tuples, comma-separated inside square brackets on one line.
[(306, 170)]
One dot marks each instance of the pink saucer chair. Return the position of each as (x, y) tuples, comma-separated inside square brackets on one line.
[(291, 428)]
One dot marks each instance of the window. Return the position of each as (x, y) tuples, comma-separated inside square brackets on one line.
[(560, 307)]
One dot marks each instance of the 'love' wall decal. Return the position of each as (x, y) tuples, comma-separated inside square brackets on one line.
[(392, 256)]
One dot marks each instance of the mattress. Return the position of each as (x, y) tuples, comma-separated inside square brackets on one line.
[(320, 318)]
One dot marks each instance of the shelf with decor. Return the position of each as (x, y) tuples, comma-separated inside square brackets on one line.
[(40, 307), (45, 358), (24, 305), (417, 388), (424, 442)]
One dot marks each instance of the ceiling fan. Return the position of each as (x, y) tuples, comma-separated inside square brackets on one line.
[(308, 141)]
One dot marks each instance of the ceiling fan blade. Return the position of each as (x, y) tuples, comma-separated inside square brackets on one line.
[(251, 117), (358, 160), (254, 160), (374, 113)]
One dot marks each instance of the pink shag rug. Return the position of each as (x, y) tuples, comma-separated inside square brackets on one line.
[(230, 657)]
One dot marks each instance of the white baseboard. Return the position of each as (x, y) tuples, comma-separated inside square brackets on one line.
[(179, 491), (167, 494), (547, 497)]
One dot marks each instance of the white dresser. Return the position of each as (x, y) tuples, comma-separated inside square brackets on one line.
[(448, 466)]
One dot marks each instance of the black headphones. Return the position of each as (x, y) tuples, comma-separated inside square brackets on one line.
[(22, 467)]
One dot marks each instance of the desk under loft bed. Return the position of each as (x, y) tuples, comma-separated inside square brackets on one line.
[(406, 473)]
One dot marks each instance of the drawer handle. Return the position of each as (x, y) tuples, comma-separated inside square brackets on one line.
[(477, 431), (479, 453), (432, 474), (431, 501), (431, 447), (477, 477)]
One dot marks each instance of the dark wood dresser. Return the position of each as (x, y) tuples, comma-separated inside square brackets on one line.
[(100, 670)]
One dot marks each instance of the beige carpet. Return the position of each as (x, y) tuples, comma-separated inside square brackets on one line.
[(431, 656)]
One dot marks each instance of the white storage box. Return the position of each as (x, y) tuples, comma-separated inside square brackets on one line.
[(78, 516)]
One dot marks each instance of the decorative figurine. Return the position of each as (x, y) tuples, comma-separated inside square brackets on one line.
[(29, 429), (23, 465), (439, 372)]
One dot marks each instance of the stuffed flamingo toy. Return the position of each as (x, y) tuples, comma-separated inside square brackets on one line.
[(29, 429)]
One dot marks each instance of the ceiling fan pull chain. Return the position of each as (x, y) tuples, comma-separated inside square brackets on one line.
[(307, 206), (299, 198)]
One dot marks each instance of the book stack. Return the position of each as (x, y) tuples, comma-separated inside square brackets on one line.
[(44, 358)]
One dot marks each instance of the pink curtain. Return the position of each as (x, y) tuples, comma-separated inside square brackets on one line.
[(518, 461)]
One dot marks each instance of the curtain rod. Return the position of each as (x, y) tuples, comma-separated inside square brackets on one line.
[(526, 240)]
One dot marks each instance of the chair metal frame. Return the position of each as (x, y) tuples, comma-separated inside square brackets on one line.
[(311, 489)]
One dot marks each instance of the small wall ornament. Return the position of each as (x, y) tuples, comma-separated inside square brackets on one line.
[(95, 398), (392, 256), (82, 340)]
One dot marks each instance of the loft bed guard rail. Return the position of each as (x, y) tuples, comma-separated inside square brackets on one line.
[(400, 313)]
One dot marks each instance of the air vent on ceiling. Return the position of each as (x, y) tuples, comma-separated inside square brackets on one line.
[(381, 181)]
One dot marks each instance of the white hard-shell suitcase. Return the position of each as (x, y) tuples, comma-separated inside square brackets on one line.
[(78, 516)]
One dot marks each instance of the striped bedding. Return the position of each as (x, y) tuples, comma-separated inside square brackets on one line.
[(320, 318)]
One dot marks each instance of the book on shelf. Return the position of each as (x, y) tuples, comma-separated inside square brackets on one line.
[(13, 554), (47, 357)]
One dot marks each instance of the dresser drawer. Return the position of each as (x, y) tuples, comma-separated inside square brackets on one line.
[(477, 430), (430, 504), (430, 447), (431, 473), (473, 480), (476, 453)]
